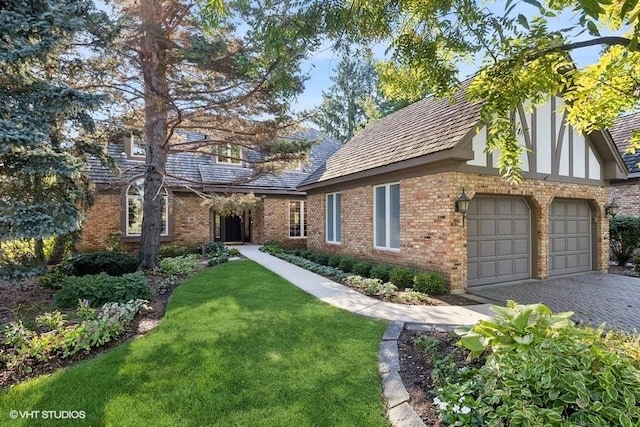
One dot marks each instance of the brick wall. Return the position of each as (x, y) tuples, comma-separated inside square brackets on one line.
[(102, 220), (275, 223), (431, 233), (190, 222), (627, 195)]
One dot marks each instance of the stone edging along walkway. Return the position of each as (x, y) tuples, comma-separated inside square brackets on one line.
[(399, 410)]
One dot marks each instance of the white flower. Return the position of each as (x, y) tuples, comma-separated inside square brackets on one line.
[(456, 408), (465, 410), (437, 401)]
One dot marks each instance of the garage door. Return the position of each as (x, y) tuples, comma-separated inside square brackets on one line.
[(570, 237), (498, 240)]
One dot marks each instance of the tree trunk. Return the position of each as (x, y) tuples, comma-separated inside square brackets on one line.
[(41, 259), (156, 94), (59, 248)]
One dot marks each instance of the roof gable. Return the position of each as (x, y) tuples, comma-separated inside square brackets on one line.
[(424, 127)]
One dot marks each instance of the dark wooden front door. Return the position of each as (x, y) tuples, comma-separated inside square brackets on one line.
[(232, 229)]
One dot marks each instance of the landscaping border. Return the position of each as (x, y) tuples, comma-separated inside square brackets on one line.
[(399, 410)]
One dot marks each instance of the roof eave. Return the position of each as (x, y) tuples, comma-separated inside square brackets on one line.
[(453, 153)]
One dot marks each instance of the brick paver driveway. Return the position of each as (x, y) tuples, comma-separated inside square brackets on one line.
[(593, 297)]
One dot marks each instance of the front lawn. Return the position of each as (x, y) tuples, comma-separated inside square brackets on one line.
[(239, 346)]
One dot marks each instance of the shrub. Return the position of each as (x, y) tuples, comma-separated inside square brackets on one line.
[(178, 266), (233, 252), (371, 286), (430, 283), (57, 336), (402, 277), (305, 253), (334, 261), (172, 251), (214, 248), (111, 263), (346, 265), (272, 247), (382, 272), (624, 237), (362, 268), (551, 372), (321, 258), (52, 280), (102, 288)]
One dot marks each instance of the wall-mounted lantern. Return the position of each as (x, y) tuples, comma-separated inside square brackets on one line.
[(612, 208), (462, 205)]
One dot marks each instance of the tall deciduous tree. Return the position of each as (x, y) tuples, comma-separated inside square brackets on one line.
[(522, 52), (43, 118), (183, 64), (353, 100)]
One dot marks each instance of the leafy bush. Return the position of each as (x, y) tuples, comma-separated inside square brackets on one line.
[(362, 268), (430, 283), (52, 280), (102, 288), (541, 369), (111, 263), (346, 265), (382, 272), (624, 237), (305, 253), (334, 261), (214, 248), (320, 258), (172, 251), (178, 266), (233, 251), (215, 260), (56, 337), (371, 286), (272, 248), (402, 277)]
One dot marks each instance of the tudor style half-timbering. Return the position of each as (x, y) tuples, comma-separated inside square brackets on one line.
[(399, 178)]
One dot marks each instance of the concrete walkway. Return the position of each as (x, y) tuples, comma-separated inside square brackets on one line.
[(347, 299)]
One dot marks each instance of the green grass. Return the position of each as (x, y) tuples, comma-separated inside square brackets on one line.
[(239, 346)]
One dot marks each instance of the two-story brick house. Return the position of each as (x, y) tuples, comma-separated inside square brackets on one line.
[(117, 212)]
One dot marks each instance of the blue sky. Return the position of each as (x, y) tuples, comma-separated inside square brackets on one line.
[(321, 64)]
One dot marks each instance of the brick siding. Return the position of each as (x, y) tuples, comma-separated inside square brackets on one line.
[(627, 196), (431, 233)]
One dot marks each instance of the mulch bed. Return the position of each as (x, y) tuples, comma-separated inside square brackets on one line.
[(27, 298)]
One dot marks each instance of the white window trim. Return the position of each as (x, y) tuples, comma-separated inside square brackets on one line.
[(227, 158), (303, 230), (128, 197), (132, 153), (387, 218), (336, 216)]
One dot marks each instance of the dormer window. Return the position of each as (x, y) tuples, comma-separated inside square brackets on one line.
[(136, 147), (229, 154)]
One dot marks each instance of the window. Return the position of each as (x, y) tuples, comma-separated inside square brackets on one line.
[(333, 218), (137, 146), (386, 206), (297, 219), (229, 154), (135, 200)]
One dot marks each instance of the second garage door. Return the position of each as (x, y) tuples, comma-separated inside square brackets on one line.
[(498, 240), (570, 237)]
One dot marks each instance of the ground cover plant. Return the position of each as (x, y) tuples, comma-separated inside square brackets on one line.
[(382, 281), (529, 366), (238, 346)]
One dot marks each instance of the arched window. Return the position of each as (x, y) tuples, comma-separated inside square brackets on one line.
[(135, 200)]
